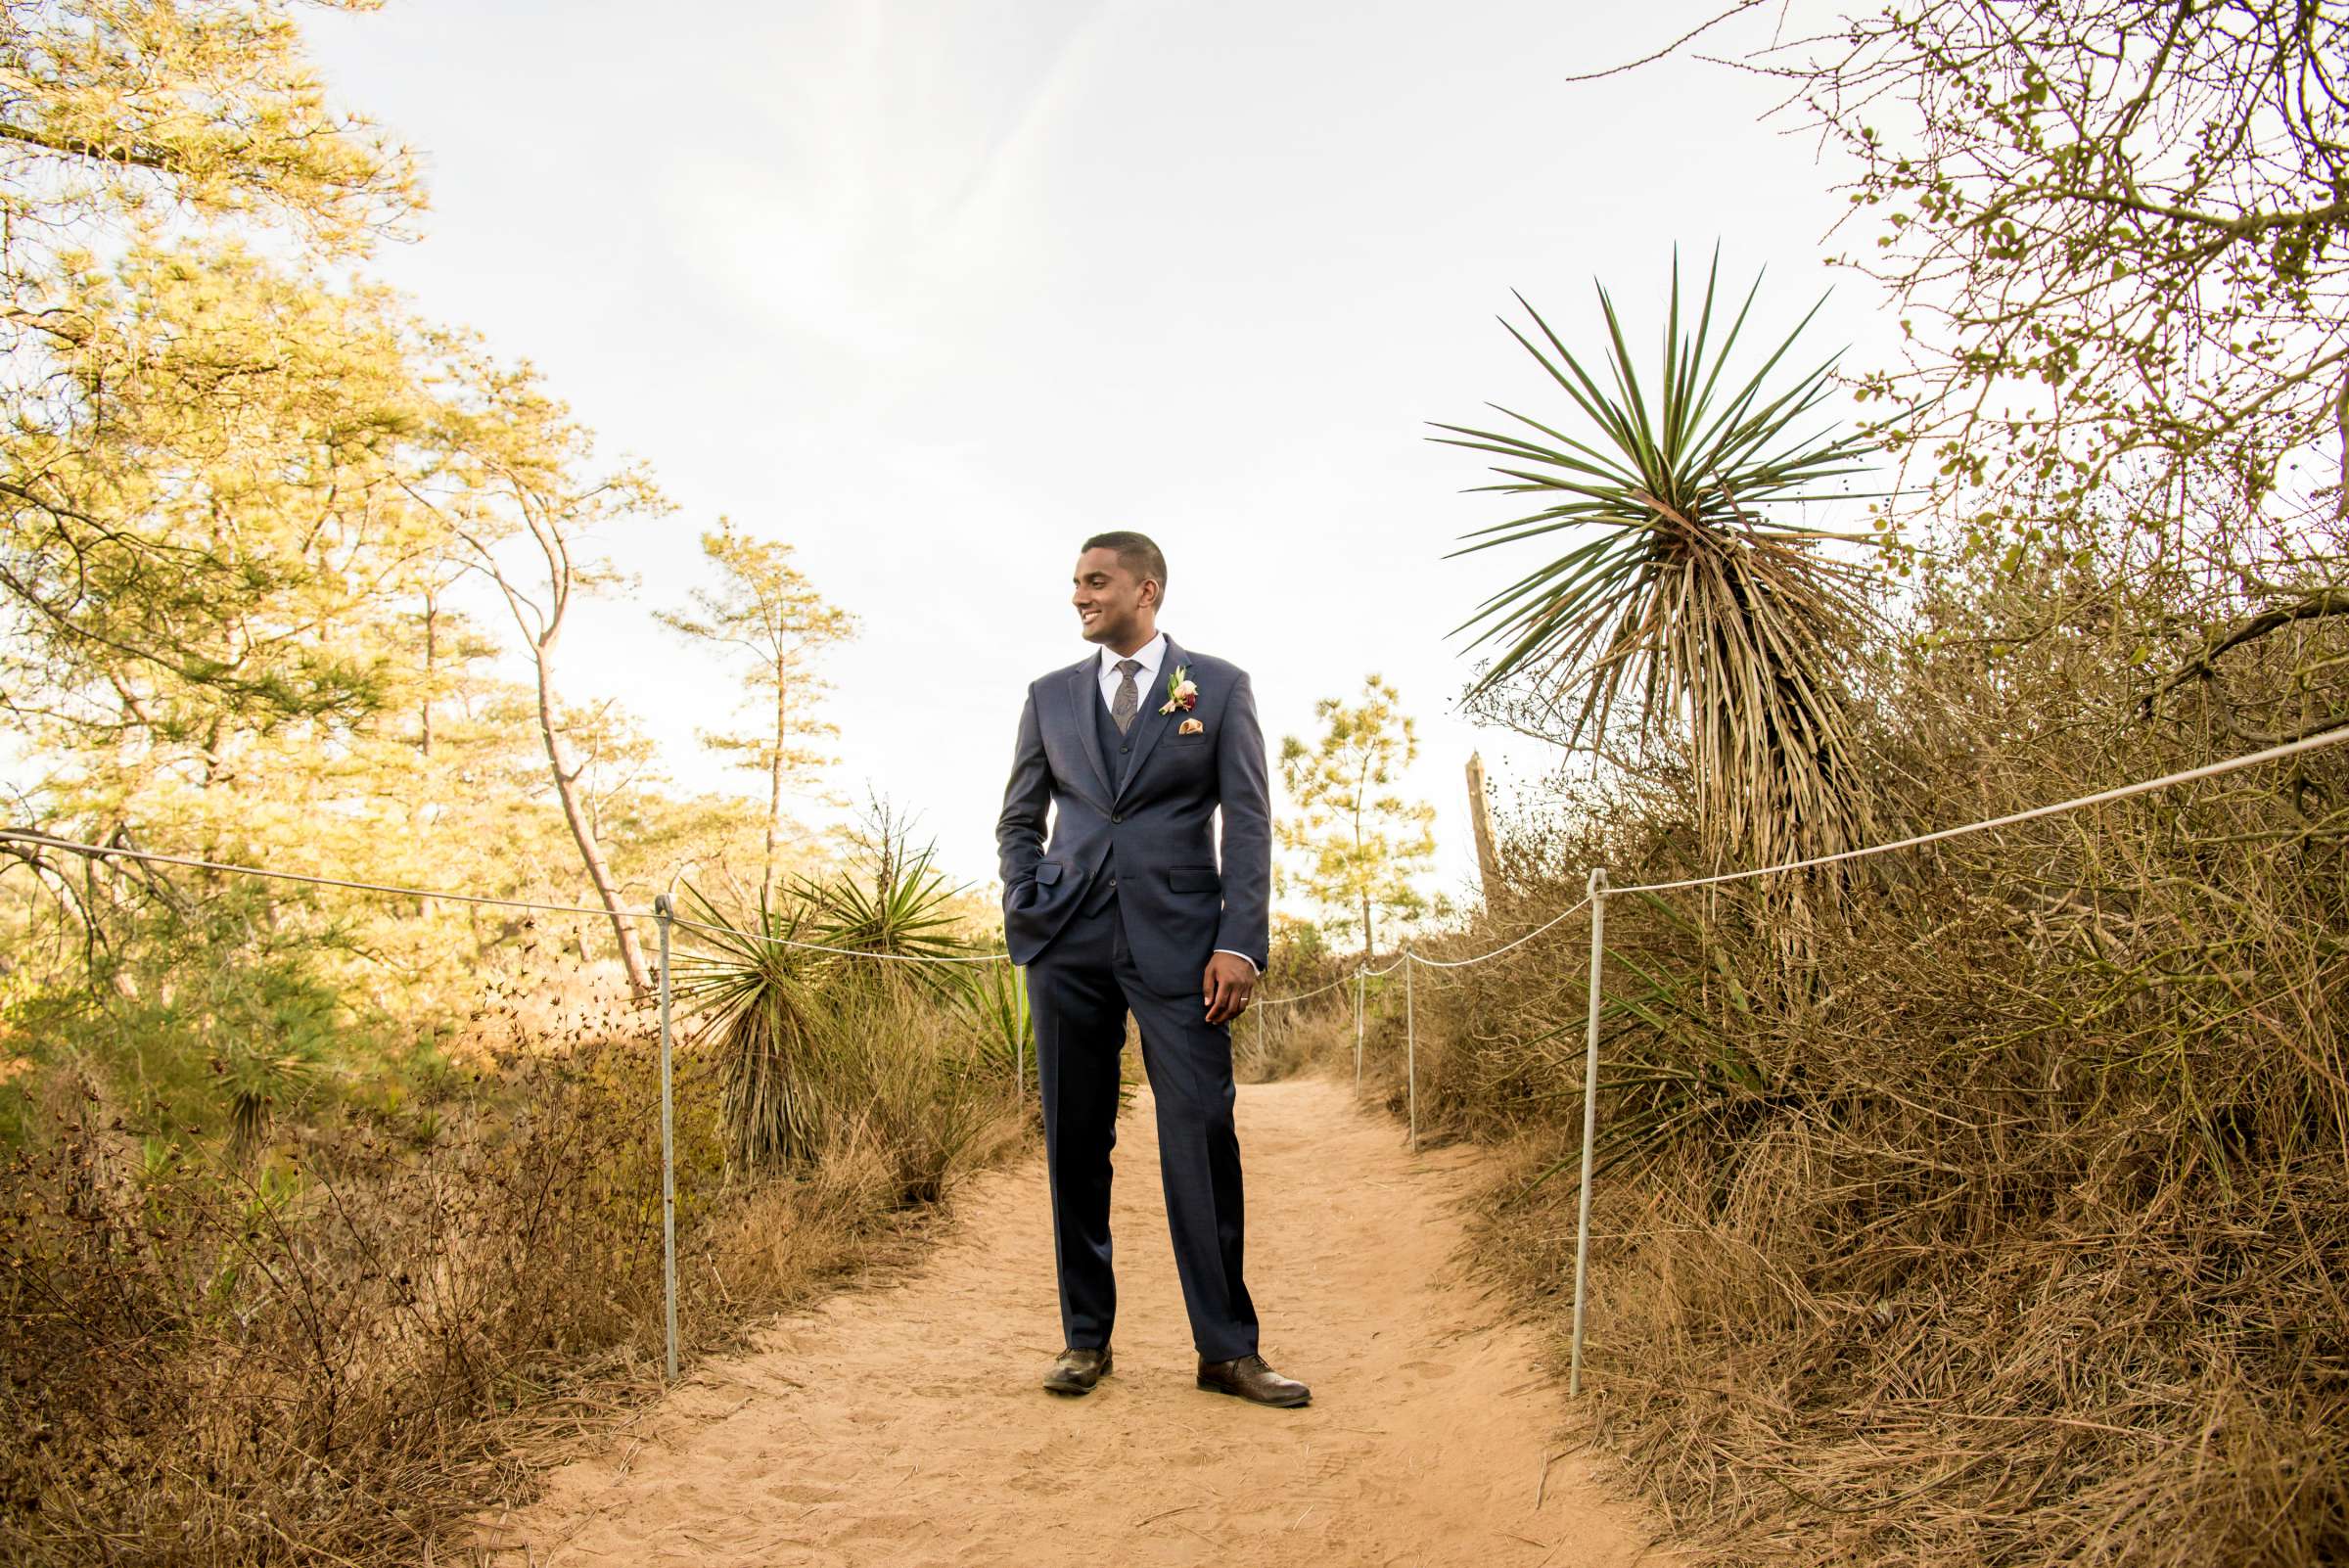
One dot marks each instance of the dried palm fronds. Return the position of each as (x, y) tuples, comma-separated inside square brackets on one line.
[(1689, 591)]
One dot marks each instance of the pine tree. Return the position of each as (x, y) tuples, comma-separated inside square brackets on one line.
[(767, 608), (1362, 844)]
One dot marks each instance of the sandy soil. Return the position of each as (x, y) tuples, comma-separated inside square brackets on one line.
[(905, 1425)]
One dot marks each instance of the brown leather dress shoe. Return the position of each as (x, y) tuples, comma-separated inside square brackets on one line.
[(1251, 1379), (1076, 1370)]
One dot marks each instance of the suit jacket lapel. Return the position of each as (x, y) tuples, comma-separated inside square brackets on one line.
[(1084, 690), (1150, 721)]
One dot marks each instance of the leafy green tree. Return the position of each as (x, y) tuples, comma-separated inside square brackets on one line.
[(162, 576), (200, 525), (766, 608), (1360, 842), (246, 503), (514, 485), (148, 360), (206, 108)]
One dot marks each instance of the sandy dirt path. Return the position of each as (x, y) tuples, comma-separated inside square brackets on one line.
[(905, 1425)]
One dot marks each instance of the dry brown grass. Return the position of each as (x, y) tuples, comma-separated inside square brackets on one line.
[(341, 1355), (2011, 1225)]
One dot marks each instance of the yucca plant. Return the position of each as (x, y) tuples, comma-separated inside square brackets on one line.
[(758, 1002), (1680, 581), (895, 900), (773, 1010), (994, 998), (255, 1082)]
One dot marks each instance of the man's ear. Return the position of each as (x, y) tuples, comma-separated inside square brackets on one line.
[(1153, 591)]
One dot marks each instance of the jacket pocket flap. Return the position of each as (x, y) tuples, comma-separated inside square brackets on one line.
[(1193, 878), (1046, 872)]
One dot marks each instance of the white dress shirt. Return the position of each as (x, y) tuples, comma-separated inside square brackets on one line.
[(1150, 694), (1149, 656)]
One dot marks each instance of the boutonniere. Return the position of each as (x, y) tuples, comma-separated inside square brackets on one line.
[(1181, 691)]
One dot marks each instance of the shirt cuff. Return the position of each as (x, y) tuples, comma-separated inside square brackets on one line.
[(1243, 957)]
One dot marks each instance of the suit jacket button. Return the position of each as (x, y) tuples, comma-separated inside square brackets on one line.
[(1114, 820)]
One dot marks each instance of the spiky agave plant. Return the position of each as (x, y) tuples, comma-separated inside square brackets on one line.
[(1680, 581), (256, 1082), (994, 999), (896, 901), (757, 1004)]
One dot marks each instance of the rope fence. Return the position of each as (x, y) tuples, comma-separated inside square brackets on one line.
[(1595, 900), (665, 915)]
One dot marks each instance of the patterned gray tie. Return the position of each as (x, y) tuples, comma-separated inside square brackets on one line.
[(1122, 706)]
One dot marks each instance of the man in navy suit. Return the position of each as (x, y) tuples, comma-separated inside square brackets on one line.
[(1133, 750)]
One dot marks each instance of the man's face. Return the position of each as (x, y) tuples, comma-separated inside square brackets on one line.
[(1112, 603)]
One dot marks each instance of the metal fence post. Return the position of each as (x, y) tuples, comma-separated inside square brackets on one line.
[(1410, 1048), (1582, 1236), (663, 911)]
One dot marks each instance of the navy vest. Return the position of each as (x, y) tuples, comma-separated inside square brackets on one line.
[(1117, 755)]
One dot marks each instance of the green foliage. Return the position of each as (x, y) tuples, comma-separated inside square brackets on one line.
[(792, 1010), (209, 1024), (284, 1231), (207, 110), (766, 608), (996, 996), (892, 900), (245, 498), (171, 396), (155, 582), (1361, 843), (1299, 947), (758, 1003)]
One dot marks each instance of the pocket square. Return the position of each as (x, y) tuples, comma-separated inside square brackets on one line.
[(1191, 726)]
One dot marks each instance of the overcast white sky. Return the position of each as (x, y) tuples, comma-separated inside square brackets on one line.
[(935, 289)]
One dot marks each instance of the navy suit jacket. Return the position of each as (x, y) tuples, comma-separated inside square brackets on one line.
[(1179, 906)]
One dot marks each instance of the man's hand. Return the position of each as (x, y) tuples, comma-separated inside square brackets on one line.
[(1229, 982)]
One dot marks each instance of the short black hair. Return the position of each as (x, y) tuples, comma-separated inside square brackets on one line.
[(1135, 553)]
